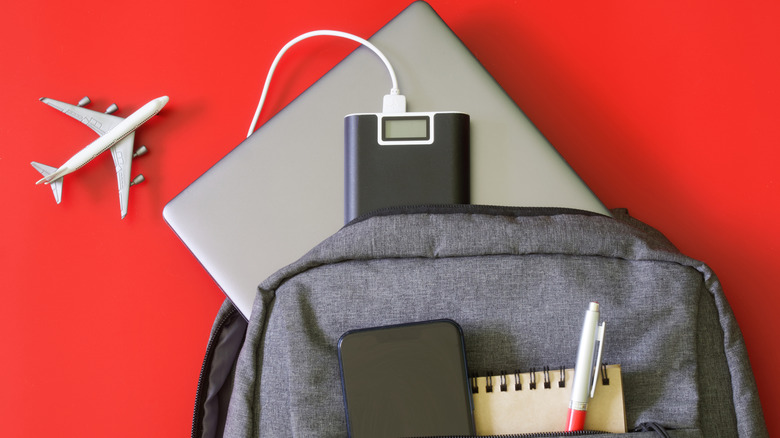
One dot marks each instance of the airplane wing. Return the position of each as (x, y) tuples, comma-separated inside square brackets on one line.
[(97, 121), (122, 153)]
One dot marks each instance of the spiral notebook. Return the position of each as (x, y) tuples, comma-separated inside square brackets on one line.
[(537, 401)]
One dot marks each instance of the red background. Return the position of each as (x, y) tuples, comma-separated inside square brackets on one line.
[(667, 108)]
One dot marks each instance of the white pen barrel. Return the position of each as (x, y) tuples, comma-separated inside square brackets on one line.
[(584, 365)]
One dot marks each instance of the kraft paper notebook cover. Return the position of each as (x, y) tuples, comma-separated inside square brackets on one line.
[(501, 408)]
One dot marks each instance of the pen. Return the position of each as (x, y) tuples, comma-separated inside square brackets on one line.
[(584, 384)]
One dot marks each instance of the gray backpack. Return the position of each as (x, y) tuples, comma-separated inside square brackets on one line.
[(516, 280)]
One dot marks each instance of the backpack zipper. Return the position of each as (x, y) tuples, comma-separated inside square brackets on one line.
[(530, 435), (644, 427), (497, 210), (197, 415)]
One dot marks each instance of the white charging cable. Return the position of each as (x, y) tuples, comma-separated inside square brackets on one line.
[(394, 102)]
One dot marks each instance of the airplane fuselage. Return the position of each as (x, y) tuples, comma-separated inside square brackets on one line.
[(112, 137)]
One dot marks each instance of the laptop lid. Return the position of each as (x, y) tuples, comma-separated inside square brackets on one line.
[(281, 191)]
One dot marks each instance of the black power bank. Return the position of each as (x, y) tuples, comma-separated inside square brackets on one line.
[(406, 159)]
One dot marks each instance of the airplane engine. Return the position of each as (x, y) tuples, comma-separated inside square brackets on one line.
[(84, 101), (137, 180), (112, 109), (140, 151)]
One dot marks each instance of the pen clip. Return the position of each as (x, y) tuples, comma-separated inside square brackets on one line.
[(595, 368)]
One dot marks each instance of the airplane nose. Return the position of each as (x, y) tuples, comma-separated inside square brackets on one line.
[(161, 101)]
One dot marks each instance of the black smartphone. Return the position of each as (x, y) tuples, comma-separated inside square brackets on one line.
[(406, 380), (406, 159)]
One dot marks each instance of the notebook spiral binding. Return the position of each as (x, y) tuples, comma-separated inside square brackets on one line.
[(537, 378)]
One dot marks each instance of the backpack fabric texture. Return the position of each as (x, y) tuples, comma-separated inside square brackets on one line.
[(517, 280)]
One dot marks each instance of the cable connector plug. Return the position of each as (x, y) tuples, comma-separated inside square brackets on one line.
[(394, 103)]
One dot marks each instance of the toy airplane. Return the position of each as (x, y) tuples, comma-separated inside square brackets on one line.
[(115, 133)]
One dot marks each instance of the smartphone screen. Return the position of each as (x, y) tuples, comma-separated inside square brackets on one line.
[(406, 380)]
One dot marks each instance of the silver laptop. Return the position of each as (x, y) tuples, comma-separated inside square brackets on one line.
[(280, 192)]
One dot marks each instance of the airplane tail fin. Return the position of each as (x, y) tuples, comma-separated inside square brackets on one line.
[(56, 185)]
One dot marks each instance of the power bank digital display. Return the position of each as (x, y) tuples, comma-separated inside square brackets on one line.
[(406, 380), (406, 159)]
